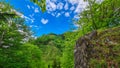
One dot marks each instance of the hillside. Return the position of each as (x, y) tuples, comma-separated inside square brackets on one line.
[(102, 50), (35, 39)]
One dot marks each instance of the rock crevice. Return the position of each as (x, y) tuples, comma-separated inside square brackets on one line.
[(81, 50)]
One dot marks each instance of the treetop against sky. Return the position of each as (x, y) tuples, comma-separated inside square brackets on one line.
[(58, 17)]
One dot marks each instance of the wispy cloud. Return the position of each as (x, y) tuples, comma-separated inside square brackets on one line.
[(66, 6), (44, 21), (36, 10), (81, 5), (58, 15), (23, 16), (54, 5), (72, 8), (76, 17), (51, 6), (73, 2), (67, 14), (77, 25), (60, 6), (28, 6)]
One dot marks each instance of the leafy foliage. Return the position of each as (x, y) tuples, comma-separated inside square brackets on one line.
[(14, 53), (19, 50), (100, 15), (41, 3), (52, 48), (26, 56), (12, 29)]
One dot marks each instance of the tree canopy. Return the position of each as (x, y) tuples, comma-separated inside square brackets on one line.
[(41, 3), (18, 49)]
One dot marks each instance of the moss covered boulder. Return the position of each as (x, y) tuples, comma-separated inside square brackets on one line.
[(98, 49)]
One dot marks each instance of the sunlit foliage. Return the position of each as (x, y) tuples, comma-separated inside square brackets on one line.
[(41, 3)]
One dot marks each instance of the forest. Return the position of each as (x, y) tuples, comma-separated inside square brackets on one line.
[(19, 49)]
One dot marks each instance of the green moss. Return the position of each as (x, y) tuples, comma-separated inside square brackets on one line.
[(106, 48)]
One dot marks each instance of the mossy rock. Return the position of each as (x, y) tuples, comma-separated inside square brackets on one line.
[(107, 49)]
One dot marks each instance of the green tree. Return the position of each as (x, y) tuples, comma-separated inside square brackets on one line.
[(14, 51), (41, 3), (26, 56), (51, 46), (12, 29), (100, 15), (67, 59)]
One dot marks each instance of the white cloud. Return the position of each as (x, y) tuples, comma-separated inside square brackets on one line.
[(28, 6), (36, 10), (60, 6), (31, 15), (36, 26), (72, 8), (31, 26), (58, 15), (25, 17), (67, 14), (32, 20), (73, 2), (51, 6), (76, 17), (78, 9), (77, 25), (33, 7), (53, 14), (44, 21), (81, 5), (66, 6)]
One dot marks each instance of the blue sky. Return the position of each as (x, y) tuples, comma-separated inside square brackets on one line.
[(56, 19)]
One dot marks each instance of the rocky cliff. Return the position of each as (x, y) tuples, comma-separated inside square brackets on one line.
[(98, 49)]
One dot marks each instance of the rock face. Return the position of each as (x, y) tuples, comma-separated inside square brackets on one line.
[(98, 49), (81, 50), (81, 55)]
